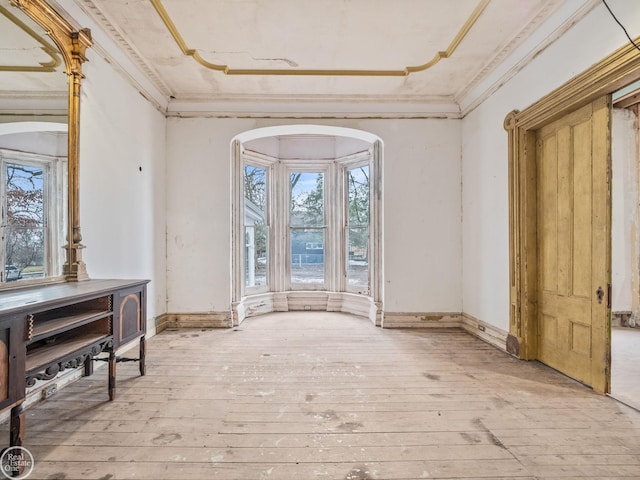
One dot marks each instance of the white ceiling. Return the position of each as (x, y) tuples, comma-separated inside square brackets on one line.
[(203, 51), (31, 67), (421, 57)]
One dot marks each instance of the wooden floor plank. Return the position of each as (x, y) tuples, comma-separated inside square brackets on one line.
[(330, 396), (287, 471)]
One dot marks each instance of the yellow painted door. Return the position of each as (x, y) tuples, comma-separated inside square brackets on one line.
[(573, 225)]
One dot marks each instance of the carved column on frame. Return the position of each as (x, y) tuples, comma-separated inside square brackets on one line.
[(75, 268)]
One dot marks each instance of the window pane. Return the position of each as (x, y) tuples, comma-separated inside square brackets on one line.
[(25, 222), (307, 199), (255, 187), (358, 187), (307, 256), (358, 229), (255, 256), (358, 258), (256, 229)]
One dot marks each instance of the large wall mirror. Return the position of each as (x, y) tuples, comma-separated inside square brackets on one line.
[(40, 73)]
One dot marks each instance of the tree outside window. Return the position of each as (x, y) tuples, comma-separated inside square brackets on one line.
[(32, 188), (358, 213), (24, 229), (311, 217)]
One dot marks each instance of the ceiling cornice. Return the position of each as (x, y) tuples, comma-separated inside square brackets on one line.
[(118, 52), (316, 106), (30, 103), (115, 47), (499, 73)]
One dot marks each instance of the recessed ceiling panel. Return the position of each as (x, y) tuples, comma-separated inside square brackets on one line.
[(203, 50)]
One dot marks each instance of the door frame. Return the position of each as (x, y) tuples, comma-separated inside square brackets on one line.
[(612, 73)]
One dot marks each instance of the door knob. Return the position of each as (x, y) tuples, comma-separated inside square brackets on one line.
[(600, 294)]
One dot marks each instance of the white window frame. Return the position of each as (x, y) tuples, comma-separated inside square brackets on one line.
[(259, 161), (308, 166), (346, 164), (54, 208)]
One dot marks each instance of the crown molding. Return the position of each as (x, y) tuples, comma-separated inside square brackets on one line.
[(34, 103), (30, 108), (114, 46), (117, 52), (318, 106), (496, 75)]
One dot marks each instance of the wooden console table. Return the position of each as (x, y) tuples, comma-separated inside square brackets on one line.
[(45, 330)]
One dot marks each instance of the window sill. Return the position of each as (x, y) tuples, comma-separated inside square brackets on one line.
[(260, 304)]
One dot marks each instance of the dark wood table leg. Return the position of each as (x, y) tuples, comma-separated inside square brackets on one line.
[(143, 352), (88, 366), (17, 427), (112, 376)]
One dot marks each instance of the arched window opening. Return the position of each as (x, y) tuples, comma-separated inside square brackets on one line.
[(307, 221)]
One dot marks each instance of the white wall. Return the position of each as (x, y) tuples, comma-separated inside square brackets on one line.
[(624, 211), (122, 178), (433, 261), (484, 151), (422, 217)]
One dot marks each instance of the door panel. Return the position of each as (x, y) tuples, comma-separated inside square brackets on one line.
[(573, 243)]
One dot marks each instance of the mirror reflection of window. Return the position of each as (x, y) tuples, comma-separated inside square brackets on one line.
[(32, 185), (24, 231), (33, 150)]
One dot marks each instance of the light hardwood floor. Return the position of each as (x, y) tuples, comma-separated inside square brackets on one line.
[(329, 396)]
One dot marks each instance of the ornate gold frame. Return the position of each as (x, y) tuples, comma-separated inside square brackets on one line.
[(404, 72), (614, 72), (72, 45)]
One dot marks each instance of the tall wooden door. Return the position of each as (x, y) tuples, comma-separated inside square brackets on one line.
[(573, 225)]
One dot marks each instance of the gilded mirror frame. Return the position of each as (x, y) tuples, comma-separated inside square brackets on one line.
[(73, 45)]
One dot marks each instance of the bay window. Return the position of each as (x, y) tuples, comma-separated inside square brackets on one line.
[(306, 231)]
